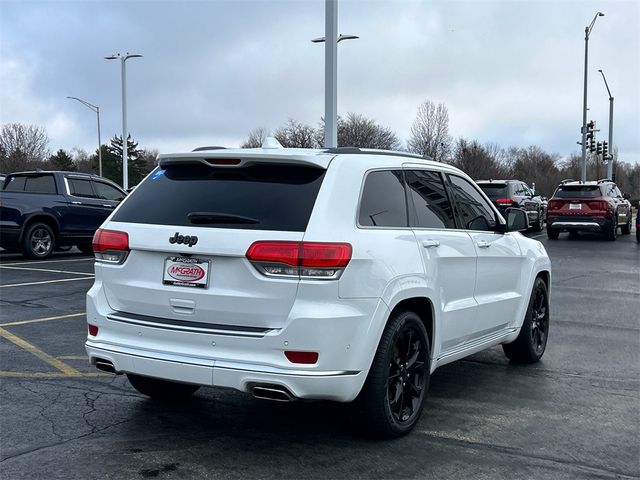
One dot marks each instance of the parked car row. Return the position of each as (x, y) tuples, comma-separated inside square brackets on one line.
[(41, 211), (515, 193)]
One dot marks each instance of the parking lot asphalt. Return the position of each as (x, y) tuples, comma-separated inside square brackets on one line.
[(574, 415)]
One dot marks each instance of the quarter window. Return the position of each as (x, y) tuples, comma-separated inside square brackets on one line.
[(473, 210), (431, 204), (383, 201)]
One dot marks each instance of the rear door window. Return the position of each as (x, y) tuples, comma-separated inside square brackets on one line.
[(15, 184), (40, 184), (383, 202), (256, 197), (431, 207)]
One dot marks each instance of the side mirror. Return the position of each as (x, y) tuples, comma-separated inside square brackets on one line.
[(517, 220), (626, 196)]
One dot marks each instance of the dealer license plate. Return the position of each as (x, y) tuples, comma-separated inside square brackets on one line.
[(575, 206), (186, 272)]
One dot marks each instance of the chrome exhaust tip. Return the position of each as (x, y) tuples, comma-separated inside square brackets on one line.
[(105, 365), (272, 392)]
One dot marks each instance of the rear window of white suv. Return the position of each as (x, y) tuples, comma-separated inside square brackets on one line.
[(257, 197)]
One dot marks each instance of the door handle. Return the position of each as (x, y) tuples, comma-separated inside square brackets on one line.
[(430, 243), (108, 206), (76, 203), (483, 244)]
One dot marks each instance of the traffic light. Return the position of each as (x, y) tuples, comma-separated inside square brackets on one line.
[(605, 150), (599, 148), (591, 134)]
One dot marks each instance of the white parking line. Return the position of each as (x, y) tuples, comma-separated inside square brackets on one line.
[(44, 319), (86, 259), (43, 270), (47, 281), (539, 235)]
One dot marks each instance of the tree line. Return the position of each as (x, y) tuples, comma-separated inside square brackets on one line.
[(26, 147)]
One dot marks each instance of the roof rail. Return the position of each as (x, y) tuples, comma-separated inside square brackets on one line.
[(567, 180), (215, 147), (367, 151), (603, 180)]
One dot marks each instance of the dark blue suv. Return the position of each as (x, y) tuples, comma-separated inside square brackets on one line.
[(41, 211)]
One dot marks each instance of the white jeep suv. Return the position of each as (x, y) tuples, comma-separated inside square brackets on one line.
[(311, 274)]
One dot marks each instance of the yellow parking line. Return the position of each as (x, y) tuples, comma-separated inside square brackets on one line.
[(44, 270), (45, 319), (72, 357), (51, 375), (54, 362), (46, 281)]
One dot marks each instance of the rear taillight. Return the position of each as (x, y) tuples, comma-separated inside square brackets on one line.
[(505, 201), (318, 260), (110, 246), (307, 358), (554, 205)]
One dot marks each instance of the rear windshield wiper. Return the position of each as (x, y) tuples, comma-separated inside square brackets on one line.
[(215, 217)]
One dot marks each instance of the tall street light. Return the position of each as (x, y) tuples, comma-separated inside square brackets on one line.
[(331, 72), (587, 32), (97, 110), (125, 143), (610, 159)]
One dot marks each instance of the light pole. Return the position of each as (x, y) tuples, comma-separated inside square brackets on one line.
[(587, 32), (97, 110), (610, 159), (331, 72), (125, 143)]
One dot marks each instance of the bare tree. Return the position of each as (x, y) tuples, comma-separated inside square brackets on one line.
[(534, 165), (477, 161), (22, 147), (256, 138), (294, 134), (356, 130), (430, 132)]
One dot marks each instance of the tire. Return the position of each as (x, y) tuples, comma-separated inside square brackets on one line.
[(537, 226), (637, 235), (38, 241), (404, 358), (552, 234), (164, 390), (63, 248), (626, 229), (532, 340), (612, 233), (86, 249)]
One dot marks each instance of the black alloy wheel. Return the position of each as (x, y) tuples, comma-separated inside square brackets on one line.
[(531, 342), (38, 241), (396, 388), (612, 233)]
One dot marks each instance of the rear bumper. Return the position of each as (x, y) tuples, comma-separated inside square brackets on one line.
[(591, 224), (342, 332), (342, 386)]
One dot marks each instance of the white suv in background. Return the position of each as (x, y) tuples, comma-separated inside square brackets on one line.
[(311, 274)]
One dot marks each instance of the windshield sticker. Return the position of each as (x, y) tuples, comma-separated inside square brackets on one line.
[(157, 175)]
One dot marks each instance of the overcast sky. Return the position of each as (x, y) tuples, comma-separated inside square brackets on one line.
[(510, 72)]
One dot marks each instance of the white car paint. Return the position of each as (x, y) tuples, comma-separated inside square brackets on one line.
[(479, 294)]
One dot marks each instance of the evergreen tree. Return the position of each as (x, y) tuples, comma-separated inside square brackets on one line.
[(62, 161)]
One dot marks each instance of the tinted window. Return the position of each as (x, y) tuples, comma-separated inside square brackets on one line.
[(473, 210), (258, 197), (495, 190), (107, 192), (431, 204), (40, 184), (577, 191), (15, 184), (383, 201), (80, 188)]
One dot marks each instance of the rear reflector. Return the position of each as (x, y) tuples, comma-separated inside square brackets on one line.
[(110, 246), (93, 330), (504, 201), (306, 259), (302, 357)]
